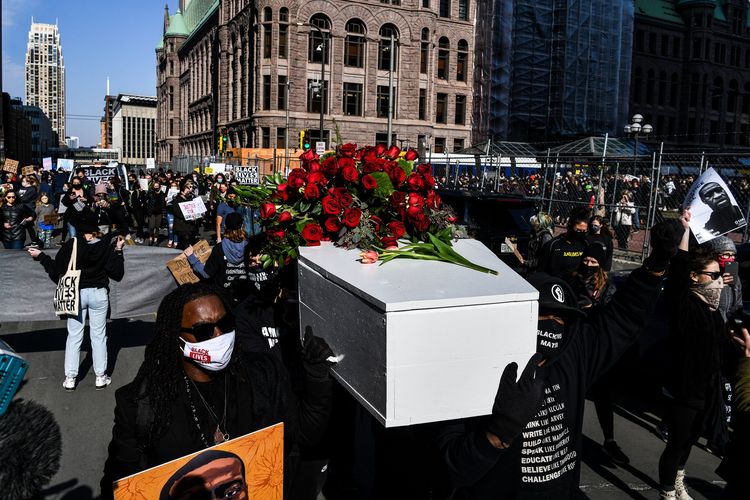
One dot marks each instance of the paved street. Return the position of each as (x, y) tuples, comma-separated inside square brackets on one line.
[(85, 417)]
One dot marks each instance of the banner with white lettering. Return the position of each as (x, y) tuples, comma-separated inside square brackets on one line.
[(67, 298), (247, 175), (193, 209)]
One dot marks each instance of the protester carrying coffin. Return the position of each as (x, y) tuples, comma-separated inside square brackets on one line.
[(182, 401), (562, 255), (530, 447), (697, 334), (14, 217), (599, 232), (99, 259)]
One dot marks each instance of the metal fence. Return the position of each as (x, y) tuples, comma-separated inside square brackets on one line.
[(267, 166)]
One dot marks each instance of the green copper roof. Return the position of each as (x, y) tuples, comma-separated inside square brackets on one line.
[(686, 3), (196, 11), (719, 11), (663, 10), (160, 45), (177, 26)]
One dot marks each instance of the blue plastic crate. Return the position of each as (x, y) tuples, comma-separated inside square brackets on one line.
[(12, 369)]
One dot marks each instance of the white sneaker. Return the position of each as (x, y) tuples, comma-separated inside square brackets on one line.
[(667, 495), (69, 384), (679, 486), (102, 381)]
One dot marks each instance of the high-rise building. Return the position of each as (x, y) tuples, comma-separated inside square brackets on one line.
[(72, 142), (106, 121), (45, 75), (42, 137), (134, 128)]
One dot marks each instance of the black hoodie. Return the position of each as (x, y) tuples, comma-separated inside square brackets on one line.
[(544, 462), (97, 261)]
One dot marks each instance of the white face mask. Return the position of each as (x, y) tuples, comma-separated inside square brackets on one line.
[(709, 292), (212, 354)]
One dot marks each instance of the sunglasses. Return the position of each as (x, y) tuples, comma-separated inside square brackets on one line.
[(714, 275), (10, 197), (204, 331)]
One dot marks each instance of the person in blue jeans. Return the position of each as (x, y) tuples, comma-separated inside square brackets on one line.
[(99, 258)]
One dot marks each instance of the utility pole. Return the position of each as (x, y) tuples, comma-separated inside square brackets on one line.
[(286, 134), (390, 92)]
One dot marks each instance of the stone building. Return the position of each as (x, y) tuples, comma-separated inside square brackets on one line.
[(691, 71), (239, 66), (134, 128)]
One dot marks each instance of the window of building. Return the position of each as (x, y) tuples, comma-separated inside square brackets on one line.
[(171, 98), (697, 46), (650, 86), (384, 47), (318, 46), (439, 145), (266, 91), (424, 51), (382, 101), (422, 104), (425, 4), (267, 15), (441, 108), (171, 68), (460, 110), (266, 137), (717, 94), (171, 127), (746, 98), (282, 92), (734, 90), (640, 38), (354, 44), (283, 33), (283, 15), (443, 54), (391, 2), (316, 96), (652, 43), (637, 84), (352, 99), (662, 96), (280, 138), (463, 10), (665, 45), (677, 47), (462, 60), (382, 138), (458, 145), (674, 91), (267, 32), (445, 8)]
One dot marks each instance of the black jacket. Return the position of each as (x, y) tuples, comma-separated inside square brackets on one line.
[(155, 202), (13, 215), (98, 262), (561, 256), (180, 224), (544, 463), (259, 395)]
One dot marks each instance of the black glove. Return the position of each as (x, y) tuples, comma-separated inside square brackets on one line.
[(315, 354), (516, 403), (665, 237)]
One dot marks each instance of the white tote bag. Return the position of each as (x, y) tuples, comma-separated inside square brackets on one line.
[(67, 295)]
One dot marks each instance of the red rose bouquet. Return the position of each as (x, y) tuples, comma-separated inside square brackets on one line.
[(369, 198)]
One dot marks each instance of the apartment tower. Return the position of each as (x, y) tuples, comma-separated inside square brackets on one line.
[(45, 75)]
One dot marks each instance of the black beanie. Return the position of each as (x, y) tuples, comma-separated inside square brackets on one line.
[(597, 251)]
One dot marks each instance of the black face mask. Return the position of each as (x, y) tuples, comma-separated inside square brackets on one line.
[(587, 271), (549, 337), (577, 236)]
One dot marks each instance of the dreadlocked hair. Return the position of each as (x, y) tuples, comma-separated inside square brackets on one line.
[(161, 374)]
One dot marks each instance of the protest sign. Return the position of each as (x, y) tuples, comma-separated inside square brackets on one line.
[(713, 208), (252, 465), (10, 166), (180, 267), (217, 168), (51, 219), (143, 183), (247, 175), (150, 163), (65, 164), (193, 209), (28, 170), (47, 163)]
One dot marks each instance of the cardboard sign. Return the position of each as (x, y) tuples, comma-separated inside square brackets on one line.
[(713, 209), (247, 176), (193, 209), (251, 465), (65, 164), (28, 170), (51, 219), (180, 267), (10, 166)]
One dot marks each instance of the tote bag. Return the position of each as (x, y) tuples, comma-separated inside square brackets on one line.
[(67, 297)]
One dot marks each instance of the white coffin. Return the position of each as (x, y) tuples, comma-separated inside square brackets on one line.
[(422, 341)]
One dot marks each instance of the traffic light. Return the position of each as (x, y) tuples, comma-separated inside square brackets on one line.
[(221, 143), (304, 140), (225, 138)]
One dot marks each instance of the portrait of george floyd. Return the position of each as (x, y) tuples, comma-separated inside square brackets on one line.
[(251, 466), (713, 207)]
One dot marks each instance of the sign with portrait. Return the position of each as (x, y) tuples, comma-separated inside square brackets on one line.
[(713, 208), (251, 466), (180, 267), (247, 175)]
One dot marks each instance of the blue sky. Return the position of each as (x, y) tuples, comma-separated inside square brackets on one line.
[(100, 38)]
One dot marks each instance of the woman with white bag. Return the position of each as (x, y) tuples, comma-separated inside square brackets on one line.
[(97, 259)]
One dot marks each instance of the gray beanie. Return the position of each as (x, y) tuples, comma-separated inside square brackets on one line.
[(720, 245)]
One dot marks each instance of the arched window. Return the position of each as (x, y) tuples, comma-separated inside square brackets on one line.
[(443, 53), (637, 84), (318, 46), (462, 60), (267, 32), (424, 50), (674, 90), (384, 50), (283, 33), (354, 45)]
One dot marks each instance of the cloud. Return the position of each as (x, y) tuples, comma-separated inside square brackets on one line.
[(13, 77), (11, 10)]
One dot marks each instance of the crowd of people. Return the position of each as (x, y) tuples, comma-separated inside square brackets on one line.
[(228, 355)]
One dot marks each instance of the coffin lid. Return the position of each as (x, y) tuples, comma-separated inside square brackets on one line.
[(406, 284)]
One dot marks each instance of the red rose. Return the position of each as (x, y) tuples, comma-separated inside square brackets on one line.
[(433, 200), (424, 168), (414, 211), (313, 166), (415, 182), (367, 154), (349, 174), (345, 197), (351, 217), (411, 155), (380, 149), (331, 205), (393, 152), (267, 210), (296, 178), (389, 241), (330, 166), (376, 165), (312, 233), (346, 162), (377, 222), (316, 177), (332, 224), (397, 175), (429, 181), (308, 155), (369, 182), (452, 219), (422, 222), (415, 200), (347, 150), (285, 217), (275, 234), (398, 198), (312, 192), (396, 229)]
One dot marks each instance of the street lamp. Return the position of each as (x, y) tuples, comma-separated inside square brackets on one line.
[(323, 93), (635, 129)]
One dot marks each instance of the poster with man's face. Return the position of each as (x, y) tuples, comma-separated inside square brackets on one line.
[(251, 466), (713, 208)]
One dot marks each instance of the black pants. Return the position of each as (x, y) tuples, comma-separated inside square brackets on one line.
[(186, 239), (685, 424), (140, 221)]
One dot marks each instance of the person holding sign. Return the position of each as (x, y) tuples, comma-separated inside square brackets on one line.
[(99, 260), (44, 209), (186, 229)]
